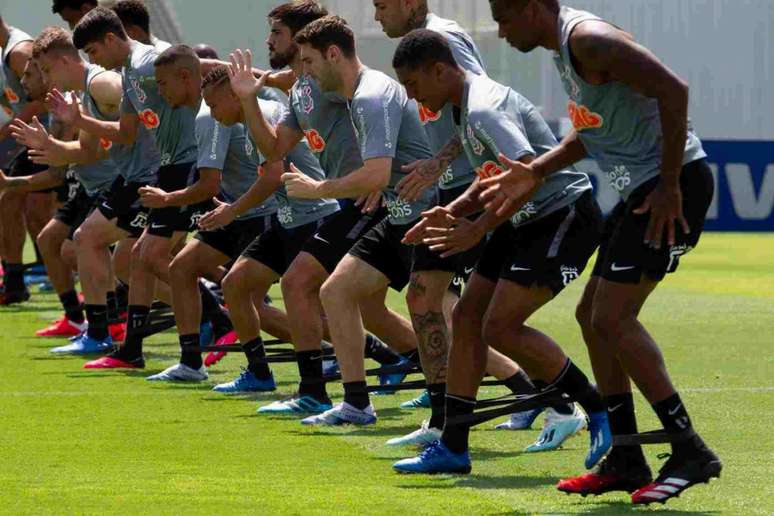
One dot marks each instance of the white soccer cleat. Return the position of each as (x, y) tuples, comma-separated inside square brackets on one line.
[(343, 414), (557, 428), (180, 373), (422, 437)]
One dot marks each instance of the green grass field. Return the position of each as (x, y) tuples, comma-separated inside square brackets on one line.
[(77, 441)]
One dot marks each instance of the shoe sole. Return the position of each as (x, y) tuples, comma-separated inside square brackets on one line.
[(461, 471)]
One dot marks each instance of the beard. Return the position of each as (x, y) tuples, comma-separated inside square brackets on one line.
[(278, 61)]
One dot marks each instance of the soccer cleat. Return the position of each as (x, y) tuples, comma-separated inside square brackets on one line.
[(520, 420), (330, 367), (435, 458), (421, 401), (343, 414), (601, 438), (296, 405), (63, 327), (213, 357), (247, 382), (14, 298), (678, 474), (117, 331), (206, 334), (84, 345), (422, 437), (557, 429), (617, 472), (46, 286), (180, 373), (392, 379), (114, 361)]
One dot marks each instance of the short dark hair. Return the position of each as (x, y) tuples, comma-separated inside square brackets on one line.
[(298, 14), (53, 39), (179, 55), (58, 6), (133, 12), (216, 77), (420, 48), (205, 51), (328, 31), (95, 25)]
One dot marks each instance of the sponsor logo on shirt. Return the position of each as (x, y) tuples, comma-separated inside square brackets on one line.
[(489, 169), (11, 95), (307, 102), (285, 215), (526, 212), (105, 143), (138, 91), (398, 208), (619, 178), (249, 147), (8, 111), (475, 144), (149, 118), (583, 118), (425, 115), (315, 141)]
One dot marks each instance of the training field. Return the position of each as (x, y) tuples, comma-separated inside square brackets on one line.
[(77, 441)]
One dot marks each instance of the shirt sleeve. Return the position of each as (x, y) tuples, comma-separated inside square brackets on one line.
[(289, 118), (502, 133), (377, 120), (212, 141), (465, 54), (126, 103)]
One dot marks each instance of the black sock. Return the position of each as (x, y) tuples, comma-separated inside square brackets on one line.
[(355, 394), (673, 415), (136, 320), (413, 357), (255, 353), (561, 408), (38, 256), (311, 371), (190, 354), (98, 321), (520, 383), (573, 382), (112, 307), (437, 393), (122, 297), (620, 415), (72, 306), (212, 311), (378, 350), (455, 437), (14, 277)]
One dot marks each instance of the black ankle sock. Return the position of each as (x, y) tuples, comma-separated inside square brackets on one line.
[(136, 320), (378, 350), (14, 277), (97, 315), (255, 353), (355, 394), (72, 306), (520, 383), (190, 354), (673, 415), (437, 392), (561, 408), (310, 369), (122, 297), (213, 312), (112, 307), (622, 420), (455, 437), (573, 382)]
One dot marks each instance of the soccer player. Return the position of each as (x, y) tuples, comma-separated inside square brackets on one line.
[(71, 11), (16, 52), (136, 20), (532, 254), (453, 174), (267, 258), (629, 113), (324, 120)]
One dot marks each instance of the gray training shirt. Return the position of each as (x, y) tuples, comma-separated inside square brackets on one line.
[(496, 120)]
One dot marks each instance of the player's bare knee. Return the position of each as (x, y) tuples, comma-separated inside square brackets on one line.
[(609, 324), (466, 314), (336, 289), (583, 313)]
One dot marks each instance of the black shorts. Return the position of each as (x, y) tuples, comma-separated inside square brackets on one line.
[(624, 257), (339, 233), (277, 247), (23, 166), (122, 203), (233, 239), (75, 211), (381, 248), (164, 222), (549, 252)]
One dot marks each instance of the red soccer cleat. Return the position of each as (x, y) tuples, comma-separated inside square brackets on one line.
[(63, 327), (113, 362), (214, 357), (614, 473)]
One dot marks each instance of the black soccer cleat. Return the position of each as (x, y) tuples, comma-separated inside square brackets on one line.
[(678, 474)]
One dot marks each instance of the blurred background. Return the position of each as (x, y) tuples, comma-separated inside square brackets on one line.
[(723, 48)]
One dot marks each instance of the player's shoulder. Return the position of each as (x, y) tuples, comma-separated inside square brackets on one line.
[(375, 86), (485, 95), (143, 58), (449, 29)]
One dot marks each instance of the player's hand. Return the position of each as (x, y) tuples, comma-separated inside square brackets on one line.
[(369, 203), (3, 180), (438, 217), (66, 111), (507, 192), (32, 136), (422, 174), (461, 236), (47, 156), (221, 216), (300, 185), (665, 204), (152, 197), (240, 72)]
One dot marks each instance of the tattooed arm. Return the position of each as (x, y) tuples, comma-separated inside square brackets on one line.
[(425, 173)]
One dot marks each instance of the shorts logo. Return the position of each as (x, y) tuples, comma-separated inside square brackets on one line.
[(140, 221), (619, 178), (583, 118), (72, 191), (149, 119), (525, 213), (307, 102), (11, 95), (315, 141), (569, 274), (489, 169), (425, 115), (195, 218), (105, 143), (675, 252), (475, 144)]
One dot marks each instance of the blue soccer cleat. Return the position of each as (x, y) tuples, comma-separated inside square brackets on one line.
[(296, 405), (520, 420), (435, 458), (601, 438), (392, 379), (421, 401), (206, 335), (247, 382), (84, 345)]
